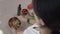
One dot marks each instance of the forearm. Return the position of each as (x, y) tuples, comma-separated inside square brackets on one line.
[(14, 32)]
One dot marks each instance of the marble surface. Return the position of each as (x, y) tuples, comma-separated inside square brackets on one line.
[(8, 9)]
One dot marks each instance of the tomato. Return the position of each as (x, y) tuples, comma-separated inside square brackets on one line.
[(30, 6), (25, 11)]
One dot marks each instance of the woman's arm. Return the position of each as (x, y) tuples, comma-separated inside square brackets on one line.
[(13, 30)]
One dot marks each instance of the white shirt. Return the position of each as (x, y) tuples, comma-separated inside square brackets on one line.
[(31, 30)]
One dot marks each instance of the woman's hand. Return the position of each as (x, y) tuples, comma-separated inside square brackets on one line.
[(21, 18), (13, 30)]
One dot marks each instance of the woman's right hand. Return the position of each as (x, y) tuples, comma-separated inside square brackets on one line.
[(13, 30)]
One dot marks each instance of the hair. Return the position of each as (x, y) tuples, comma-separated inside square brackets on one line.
[(49, 12)]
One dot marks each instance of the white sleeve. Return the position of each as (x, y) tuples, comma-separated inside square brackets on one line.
[(30, 32)]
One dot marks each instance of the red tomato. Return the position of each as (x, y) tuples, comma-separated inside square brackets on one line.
[(25, 11), (30, 6)]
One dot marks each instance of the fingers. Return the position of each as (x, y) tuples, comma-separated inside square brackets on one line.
[(13, 30), (21, 18)]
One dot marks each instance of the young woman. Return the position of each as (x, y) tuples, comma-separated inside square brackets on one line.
[(49, 12)]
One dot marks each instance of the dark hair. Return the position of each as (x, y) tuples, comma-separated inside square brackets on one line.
[(49, 12)]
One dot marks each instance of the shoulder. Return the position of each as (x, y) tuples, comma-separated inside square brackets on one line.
[(31, 31), (28, 31)]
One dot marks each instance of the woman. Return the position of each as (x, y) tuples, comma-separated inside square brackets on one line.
[(49, 12)]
